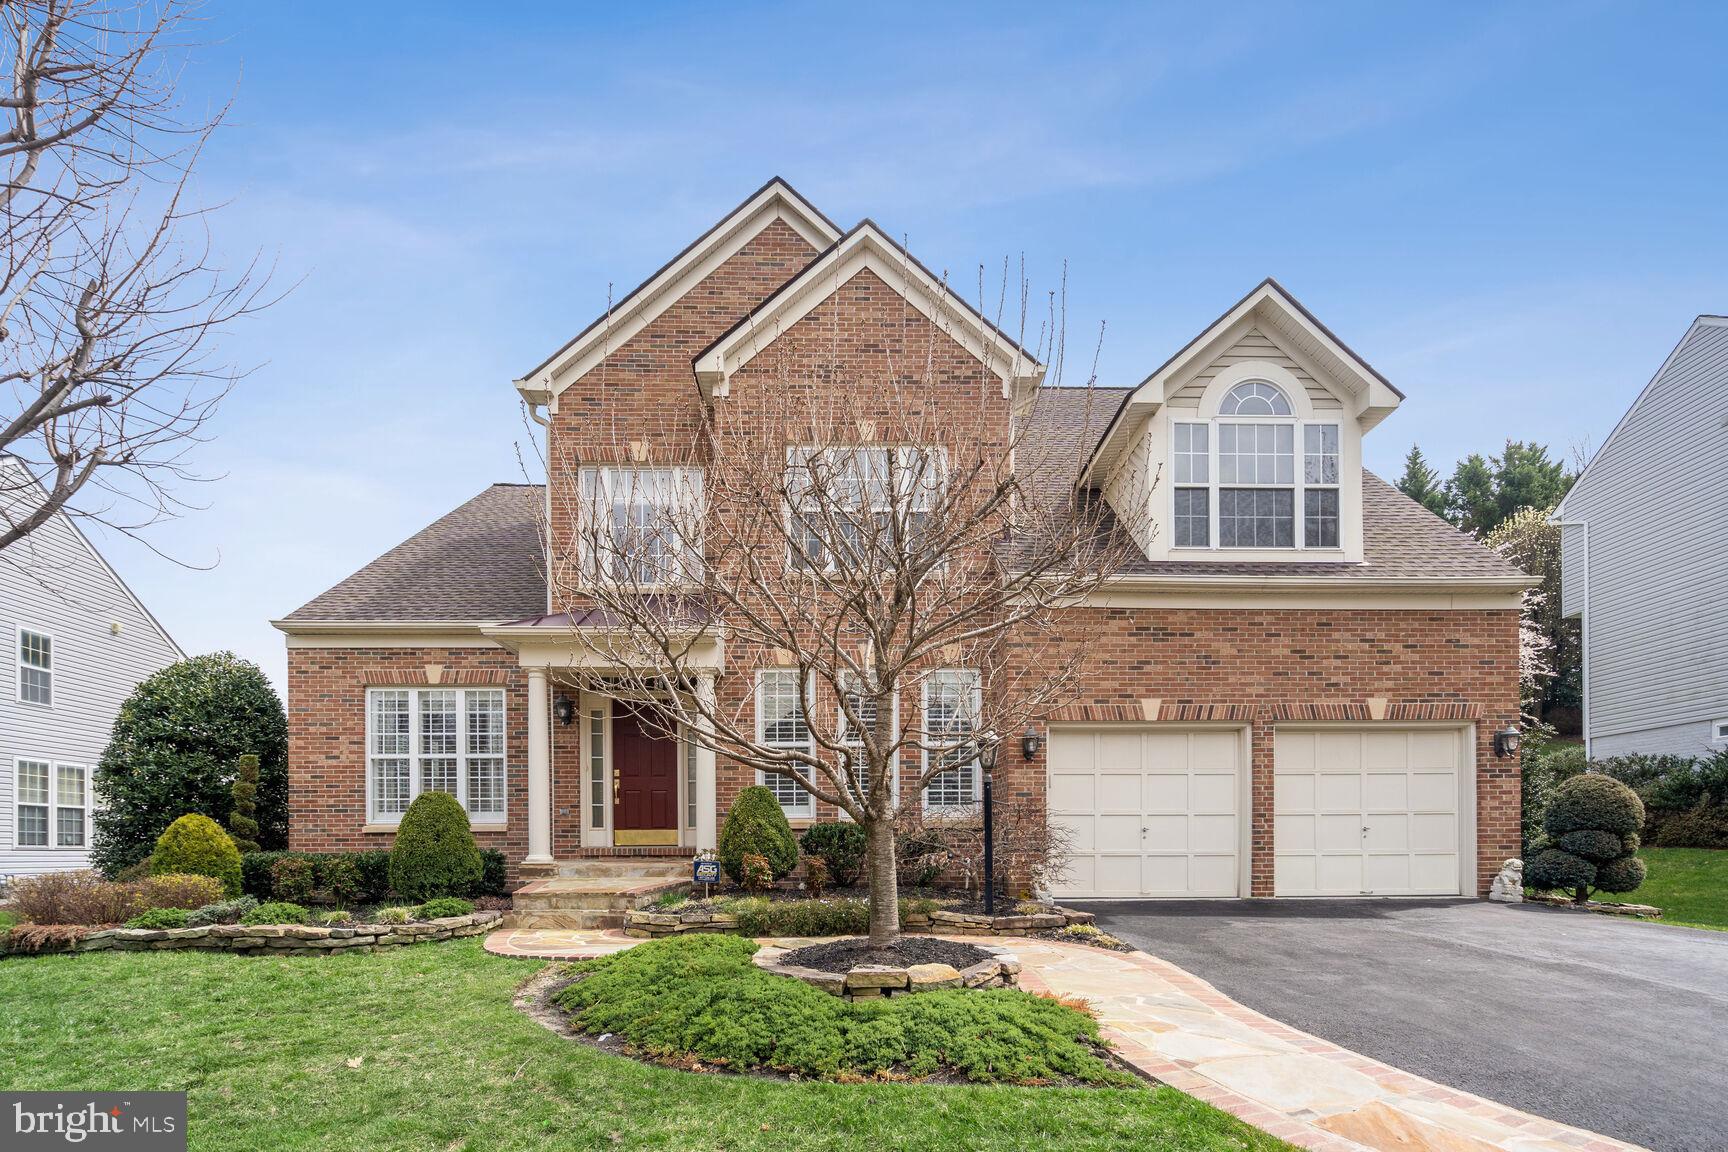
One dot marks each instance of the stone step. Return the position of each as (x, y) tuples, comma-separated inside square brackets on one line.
[(592, 893), (644, 866), (576, 918)]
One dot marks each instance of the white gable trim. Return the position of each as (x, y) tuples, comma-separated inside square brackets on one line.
[(866, 248), (1698, 325), (1293, 327), (775, 201)]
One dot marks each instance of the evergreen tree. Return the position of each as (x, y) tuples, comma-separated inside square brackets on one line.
[(1421, 483), (1485, 491)]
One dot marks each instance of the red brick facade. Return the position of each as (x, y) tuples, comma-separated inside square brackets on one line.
[(1256, 666)]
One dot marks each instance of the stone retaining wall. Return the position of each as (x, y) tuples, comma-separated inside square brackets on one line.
[(875, 981), (650, 924), (259, 939)]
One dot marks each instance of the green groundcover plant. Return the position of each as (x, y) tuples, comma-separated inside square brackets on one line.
[(701, 996)]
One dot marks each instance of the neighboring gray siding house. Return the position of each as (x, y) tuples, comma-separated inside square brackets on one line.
[(1644, 561), (76, 641)]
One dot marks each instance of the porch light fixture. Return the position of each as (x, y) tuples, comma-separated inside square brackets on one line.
[(564, 710), (1030, 743), (1506, 742)]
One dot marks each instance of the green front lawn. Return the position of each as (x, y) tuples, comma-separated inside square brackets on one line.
[(1690, 885), (420, 1048)]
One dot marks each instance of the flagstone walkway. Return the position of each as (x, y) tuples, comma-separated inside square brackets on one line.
[(1180, 1030)]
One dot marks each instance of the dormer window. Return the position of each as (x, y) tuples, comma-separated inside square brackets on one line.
[(1255, 475)]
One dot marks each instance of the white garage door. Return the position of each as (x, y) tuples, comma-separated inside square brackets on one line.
[(1366, 812), (1151, 811)]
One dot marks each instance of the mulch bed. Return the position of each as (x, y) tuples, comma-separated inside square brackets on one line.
[(843, 955)]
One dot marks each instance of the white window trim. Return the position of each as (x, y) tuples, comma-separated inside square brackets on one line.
[(54, 805), (894, 730), (20, 666), (807, 810), (1719, 733), (689, 486), (481, 820), (1299, 489), (933, 452), (924, 719)]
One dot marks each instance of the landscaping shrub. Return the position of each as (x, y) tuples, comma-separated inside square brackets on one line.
[(760, 916), (339, 916), (222, 912), (255, 879), (160, 918), (179, 890), (291, 879), (174, 749), (1701, 827), (435, 854), (80, 897), (341, 878), (7, 921), (755, 826), (374, 869), (399, 914), (1592, 823), (443, 906), (1544, 765), (840, 846), (45, 937), (367, 872), (242, 820), (701, 996), (816, 878), (756, 874), (197, 844), (277, 913), (920, 851), (494, 874)]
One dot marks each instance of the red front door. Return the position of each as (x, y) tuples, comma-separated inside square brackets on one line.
[(645, 768)]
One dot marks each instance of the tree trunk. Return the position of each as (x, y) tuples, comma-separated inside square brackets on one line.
[(1581, 895), (884, 881)]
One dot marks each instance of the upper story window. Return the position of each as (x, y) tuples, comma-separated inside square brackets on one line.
[(854, 506), (641, 526), (35, 667), (1255, 476), (434, 740)]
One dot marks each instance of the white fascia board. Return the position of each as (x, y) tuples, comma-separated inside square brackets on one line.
[(867, 249), (337, 627), (776, 201)]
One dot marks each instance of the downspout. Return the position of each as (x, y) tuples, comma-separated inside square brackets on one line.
[(545, 422), (1583, 625)]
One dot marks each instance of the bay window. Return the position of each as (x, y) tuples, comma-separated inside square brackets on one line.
[(1237, 483), (641, 526), (435, 740)]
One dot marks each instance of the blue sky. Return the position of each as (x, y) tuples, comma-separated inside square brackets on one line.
[(1512, 211)]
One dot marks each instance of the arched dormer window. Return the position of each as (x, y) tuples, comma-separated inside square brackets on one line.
[(1241, 477)]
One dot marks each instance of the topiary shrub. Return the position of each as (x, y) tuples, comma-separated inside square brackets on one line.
[(1592, 823), (160, 918), (197, 844), (434, 854), (756, 826), (174, 748), (243, 820), (443, 906), (291, 879), (277, 913), (840, 846)]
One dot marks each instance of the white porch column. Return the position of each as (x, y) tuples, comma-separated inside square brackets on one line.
[(707, 801), (539, 771)]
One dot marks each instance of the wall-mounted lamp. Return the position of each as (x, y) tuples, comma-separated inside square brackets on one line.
[(564, 710), (1030, 743), (1506, 741)]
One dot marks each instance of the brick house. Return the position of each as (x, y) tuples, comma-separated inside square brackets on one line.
[(1294, 685)]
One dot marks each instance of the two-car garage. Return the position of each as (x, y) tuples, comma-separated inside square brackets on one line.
[(1156, 810)]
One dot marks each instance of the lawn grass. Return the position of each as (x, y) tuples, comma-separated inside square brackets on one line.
[(267, 1048), (1690, 885)]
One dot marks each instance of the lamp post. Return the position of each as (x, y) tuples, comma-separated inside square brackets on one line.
[(987, 761)]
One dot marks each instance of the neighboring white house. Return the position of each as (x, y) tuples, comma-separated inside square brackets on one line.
[(1644, 561), (77, 642)]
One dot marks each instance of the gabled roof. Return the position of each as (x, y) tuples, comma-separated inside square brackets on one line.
[(1268, 303), (866, 246), (482, 563), (1700, 324), (775, 200)]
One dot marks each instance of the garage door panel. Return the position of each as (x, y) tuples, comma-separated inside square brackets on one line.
[(1367, 810), (1166, 793), (1154, 811), (1212, 833)]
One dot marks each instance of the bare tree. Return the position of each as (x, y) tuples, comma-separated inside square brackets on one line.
[(891, 547), (109, 292)]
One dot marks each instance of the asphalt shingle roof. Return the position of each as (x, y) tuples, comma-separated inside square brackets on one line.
[(482, 563)]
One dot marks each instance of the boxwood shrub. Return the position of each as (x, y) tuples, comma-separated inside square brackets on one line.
[(839, 845), (197, 844), (350, 878), (755, 826), (435, 854)]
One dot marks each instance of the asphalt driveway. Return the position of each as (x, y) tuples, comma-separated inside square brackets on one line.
[(1609, 1025)]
